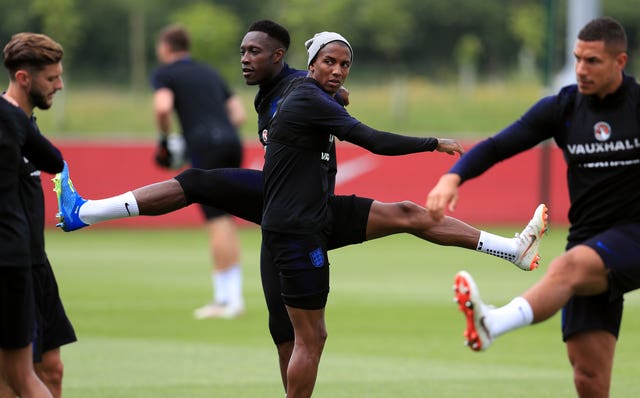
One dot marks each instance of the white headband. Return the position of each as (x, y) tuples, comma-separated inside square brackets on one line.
[(319, 40)]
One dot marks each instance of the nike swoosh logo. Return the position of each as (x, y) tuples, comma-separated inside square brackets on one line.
[(533, 240), (126, 206), (347, 170), (354, 168)]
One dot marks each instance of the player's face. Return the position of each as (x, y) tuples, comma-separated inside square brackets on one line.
[(43, 86), (598, 71), (162, 52), (260, 56), (331, 66)]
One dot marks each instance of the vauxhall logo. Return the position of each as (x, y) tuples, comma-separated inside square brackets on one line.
[(602, 131)]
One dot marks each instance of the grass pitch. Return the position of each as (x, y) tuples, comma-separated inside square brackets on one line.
[(393, 328)]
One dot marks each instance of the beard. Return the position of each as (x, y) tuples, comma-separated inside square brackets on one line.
[(38, 99)]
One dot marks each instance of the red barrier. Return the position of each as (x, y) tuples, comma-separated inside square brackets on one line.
[(506, 194)]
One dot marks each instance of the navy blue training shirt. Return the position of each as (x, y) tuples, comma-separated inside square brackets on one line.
[(298, 151), (45, 157), (200, 97), (600, 140), (14, 228), (266, 103)]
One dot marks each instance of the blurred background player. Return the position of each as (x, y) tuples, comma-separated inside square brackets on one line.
[(595, 122), (209, 115), (35, 71)]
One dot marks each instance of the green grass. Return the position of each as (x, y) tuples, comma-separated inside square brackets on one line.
[(414, 106), (393, 328)]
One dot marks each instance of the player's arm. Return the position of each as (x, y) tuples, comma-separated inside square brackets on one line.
[(41, 152), (390, 144), (533, 127), (162, 108), (444, 195), (235, 111)]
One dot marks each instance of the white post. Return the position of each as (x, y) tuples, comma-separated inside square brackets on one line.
[(578, 14)]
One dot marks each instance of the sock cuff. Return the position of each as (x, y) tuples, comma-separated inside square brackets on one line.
[(525, 309)]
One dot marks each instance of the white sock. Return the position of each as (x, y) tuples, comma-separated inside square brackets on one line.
[(227, 286), (498, 246), (219, 282), (234, 280), (121, 206), (516, 314)]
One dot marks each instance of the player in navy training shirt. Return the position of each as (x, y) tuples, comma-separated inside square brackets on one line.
[(34, 63), (296, 218), (596, 123), (17, 306)]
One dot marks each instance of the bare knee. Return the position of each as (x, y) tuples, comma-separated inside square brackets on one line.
[(591, 356), (589, 381), (581, 270), (406, 215), (315, 342), (563, 270), (51, 372), (409, 208)]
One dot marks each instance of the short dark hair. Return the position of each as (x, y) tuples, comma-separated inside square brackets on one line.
[(273, 29), (608, 30), (176, 37), (31, 50)]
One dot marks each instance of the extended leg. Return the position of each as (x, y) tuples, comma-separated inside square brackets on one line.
[(579, 271), (160, 198), (391, 218), (235, 191)]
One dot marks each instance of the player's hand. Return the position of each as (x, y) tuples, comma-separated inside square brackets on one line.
[(343, 93), (449, 146), (444, 196), (162, 156), (171, 151)]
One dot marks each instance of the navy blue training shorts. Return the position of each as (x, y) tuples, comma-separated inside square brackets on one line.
[(216, 157), (302, 265), (17, 307), (619, 248), (347, 225), (53, 327), (348, 220)]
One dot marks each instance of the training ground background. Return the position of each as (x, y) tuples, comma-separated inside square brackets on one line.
[(508, 193)]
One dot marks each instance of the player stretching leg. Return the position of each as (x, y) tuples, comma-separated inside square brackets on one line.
[(239, 192)]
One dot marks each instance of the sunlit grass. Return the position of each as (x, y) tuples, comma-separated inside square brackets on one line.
[(393, 328)]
